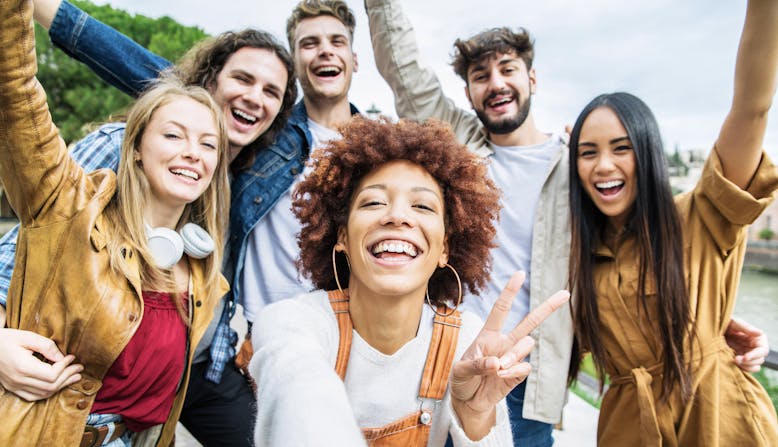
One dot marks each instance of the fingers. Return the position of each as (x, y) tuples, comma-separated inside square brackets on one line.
[(502, 306), (516, 353), (40, 344), (537, 316), (738, 325), (465, 369)]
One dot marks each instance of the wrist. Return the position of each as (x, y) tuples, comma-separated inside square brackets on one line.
[(476, 424)]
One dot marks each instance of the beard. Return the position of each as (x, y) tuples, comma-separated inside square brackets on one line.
[(508, 124)]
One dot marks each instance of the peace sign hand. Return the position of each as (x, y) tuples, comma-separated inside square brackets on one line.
[(493, 364)]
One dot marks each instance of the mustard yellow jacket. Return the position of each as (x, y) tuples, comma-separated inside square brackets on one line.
[(63, 286)]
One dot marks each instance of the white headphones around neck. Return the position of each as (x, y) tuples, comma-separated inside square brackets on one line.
[(167, 246)]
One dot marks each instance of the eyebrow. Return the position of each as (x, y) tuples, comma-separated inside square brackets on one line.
[(187, 130), (505, 60), (613, 141), (383, 187)]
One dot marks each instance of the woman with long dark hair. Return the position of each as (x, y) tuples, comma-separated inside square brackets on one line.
[(656, 277)]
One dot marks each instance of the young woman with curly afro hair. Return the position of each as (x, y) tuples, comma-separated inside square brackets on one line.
[(396, 219)]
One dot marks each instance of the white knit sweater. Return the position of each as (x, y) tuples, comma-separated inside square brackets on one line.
[(302, 401)]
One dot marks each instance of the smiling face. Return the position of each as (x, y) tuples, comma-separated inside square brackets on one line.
[(499, 89), (607, 165), (323, 59), (178, 152), (250, 88), (395, 237)]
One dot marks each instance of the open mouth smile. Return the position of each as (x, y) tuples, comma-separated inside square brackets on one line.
[(609, 188), (394, 250)]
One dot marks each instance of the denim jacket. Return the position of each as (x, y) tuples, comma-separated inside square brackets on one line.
[(128, 66)]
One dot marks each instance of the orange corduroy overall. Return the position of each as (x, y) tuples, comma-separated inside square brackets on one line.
[(412, 430)]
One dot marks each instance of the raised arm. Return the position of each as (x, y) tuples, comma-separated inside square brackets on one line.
[(116, 58), (739, 144), (418, 94)]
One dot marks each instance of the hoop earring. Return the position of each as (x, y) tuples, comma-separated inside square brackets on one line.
[(335, 269), (459, 299)]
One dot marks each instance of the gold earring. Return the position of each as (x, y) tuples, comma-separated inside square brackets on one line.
[(459, 299), (335, 269)]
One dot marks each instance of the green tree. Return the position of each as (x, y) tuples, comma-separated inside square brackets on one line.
[(76, 96)]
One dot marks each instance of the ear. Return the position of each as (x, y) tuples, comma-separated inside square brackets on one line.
[(356, 61), (532, 81), (443, 260), (342, 243)]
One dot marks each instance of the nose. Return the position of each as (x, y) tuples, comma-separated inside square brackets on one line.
[(496, 81), (192, 150), (252, 97), (398, 214), (605, 163)]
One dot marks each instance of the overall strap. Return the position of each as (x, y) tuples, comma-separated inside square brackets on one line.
[(339, 303), (445, 333)]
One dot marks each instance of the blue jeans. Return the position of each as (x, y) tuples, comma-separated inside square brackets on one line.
[(526, 432), (98, 420)]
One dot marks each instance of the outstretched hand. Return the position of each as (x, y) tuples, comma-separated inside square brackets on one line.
[(493, 364), (749, 343), (23, 374)]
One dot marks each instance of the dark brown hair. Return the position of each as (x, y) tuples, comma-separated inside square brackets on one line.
[(656, 226), (202, 64), (322, 200), (489, 43)]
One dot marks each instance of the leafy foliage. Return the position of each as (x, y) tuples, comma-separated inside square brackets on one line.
[(76, 96)]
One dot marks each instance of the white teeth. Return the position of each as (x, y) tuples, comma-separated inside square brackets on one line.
[(610, 184), (244, 115), (327, 70), (395, 247), (186, 173), (500, 102)]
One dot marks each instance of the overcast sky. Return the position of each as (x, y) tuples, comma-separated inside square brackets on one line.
[(677, 56)]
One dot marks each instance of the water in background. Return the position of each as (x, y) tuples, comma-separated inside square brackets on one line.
[(757, 302)]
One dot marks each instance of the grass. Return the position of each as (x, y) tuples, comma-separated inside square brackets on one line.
[(769, 380)]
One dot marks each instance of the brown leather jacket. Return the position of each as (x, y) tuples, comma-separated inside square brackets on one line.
[(63, 286)]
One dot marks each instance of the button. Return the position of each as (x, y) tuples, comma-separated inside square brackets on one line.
[(198, 303), (82, 404), (295, 171), (132, 317), (257, 200), (87, 386), (425, 418)]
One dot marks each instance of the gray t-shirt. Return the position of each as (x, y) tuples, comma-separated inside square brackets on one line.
[(520, 172)]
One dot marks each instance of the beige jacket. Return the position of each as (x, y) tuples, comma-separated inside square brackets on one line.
[(419, 96), (63, 286)]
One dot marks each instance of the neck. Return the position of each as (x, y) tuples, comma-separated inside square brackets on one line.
[(163, 216), (234, 151), (525, 135), (386, 323), (329, 113)]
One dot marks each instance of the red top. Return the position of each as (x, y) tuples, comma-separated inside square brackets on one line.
[(141, 384)]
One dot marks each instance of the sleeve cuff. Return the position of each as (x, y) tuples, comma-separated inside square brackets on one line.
[(499, 436)]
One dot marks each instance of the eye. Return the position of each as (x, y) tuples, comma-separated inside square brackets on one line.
[(273, 93), (424, 207), (172, 136), (371, 204), (587, 153), (209, 144), (622, 148)]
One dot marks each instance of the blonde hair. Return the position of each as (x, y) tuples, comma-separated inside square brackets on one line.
[(210, 210)]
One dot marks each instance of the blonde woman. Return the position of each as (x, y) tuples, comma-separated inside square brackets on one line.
[(90, 245)]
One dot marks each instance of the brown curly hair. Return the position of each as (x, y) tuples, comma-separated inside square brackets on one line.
[(202, 64), (321, 202)]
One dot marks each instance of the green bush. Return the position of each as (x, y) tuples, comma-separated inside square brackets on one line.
[(766, 234)]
